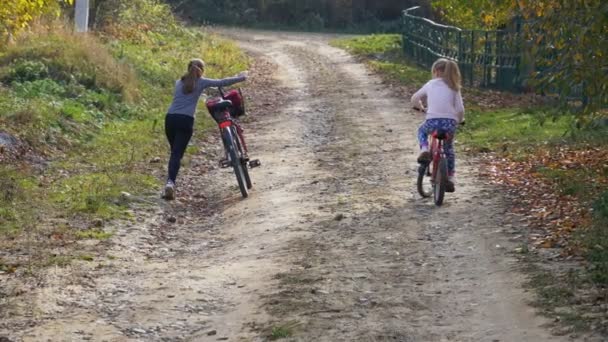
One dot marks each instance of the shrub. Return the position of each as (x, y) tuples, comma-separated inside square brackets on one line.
[(58, 53), (26, 70), (600, 208), (133, 19)]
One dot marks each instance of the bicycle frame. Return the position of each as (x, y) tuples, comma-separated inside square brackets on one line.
[(436, 154), (436, 169), (226, 136)]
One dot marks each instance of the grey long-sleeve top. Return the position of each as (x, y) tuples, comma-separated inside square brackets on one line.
[(185, 104)]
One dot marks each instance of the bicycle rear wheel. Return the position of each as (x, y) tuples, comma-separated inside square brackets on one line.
[(441, 179), (424, 183)]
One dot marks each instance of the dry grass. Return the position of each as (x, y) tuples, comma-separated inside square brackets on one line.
[(67, 53)]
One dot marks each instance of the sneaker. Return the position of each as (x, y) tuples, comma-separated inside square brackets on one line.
[(169, 193), (424, 157)]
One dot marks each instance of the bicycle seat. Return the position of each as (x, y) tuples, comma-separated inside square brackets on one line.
[(441, 134), (222, 104)]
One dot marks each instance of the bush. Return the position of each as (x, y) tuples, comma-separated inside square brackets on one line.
[(25, 70), (600, 208), (133, 19), (38, 88), (64, 56)]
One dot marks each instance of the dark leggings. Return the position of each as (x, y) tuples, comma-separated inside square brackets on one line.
[(179, 130)]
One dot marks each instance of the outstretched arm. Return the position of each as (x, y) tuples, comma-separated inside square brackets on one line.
[(459, 106), (224, 82), (419, 97)]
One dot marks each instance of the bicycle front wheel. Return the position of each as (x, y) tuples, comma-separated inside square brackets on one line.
[(242, 160), (441, 180), (424, 183), (235, 160)]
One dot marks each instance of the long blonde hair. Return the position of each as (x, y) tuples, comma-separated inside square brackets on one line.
[(448, 70), (196, 67)]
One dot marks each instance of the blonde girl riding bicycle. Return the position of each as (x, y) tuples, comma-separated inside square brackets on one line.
[(444, 111)]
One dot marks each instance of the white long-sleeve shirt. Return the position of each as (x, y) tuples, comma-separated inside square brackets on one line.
[(442, 101)]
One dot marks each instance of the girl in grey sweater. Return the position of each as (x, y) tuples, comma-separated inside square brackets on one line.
[(179, 121)]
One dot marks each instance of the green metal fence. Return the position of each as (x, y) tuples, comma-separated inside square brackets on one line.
[(486, 58)]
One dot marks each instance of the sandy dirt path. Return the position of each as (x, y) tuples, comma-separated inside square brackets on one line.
[(333, 243)]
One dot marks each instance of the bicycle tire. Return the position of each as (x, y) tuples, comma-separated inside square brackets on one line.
[(235, 160), (247, 176), (243, 162), (440, 183), (422, 175)]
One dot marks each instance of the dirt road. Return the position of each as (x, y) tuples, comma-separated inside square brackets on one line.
[(333, 244)]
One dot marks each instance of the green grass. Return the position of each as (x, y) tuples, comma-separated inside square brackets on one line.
[(403, 72), (510, 130), (94, 234), (371, 44), (282, 331), (19, 201), (57, 260), (569, 182), (86, 257)]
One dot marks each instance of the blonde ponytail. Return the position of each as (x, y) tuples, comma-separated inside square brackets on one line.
[(450, 73), (196, 68)]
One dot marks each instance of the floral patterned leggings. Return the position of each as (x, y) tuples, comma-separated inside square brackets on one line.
[(447, 125)]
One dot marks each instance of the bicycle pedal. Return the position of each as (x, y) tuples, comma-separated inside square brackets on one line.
[(224, 164), (255, 163)]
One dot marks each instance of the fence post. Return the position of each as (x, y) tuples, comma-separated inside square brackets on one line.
[(487, 70), (472, 61)]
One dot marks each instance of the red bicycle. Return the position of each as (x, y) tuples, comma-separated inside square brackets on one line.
[(225, 109), (433, 175)]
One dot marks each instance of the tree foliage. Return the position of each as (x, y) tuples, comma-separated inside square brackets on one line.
[(474, 13), (16, 15), (569, 39), (307, 14), (133, 19)]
